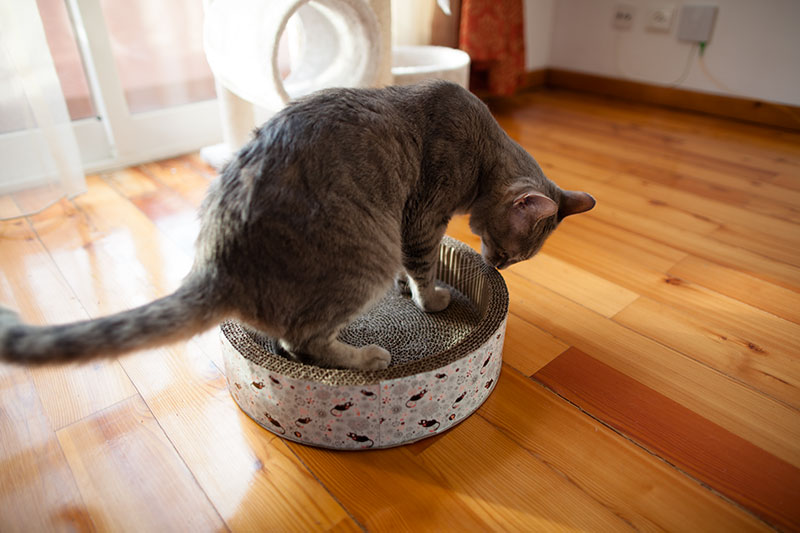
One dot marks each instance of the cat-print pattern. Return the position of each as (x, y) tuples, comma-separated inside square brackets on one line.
[(385, 414)]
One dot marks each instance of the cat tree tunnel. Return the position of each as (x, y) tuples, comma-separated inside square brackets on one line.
[(444, 366), (331, 43)]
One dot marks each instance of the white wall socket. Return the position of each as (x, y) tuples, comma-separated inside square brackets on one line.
[(696, 23), (660, 18), (623, 16)]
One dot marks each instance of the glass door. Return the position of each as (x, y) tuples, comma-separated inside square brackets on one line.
[(133, 76), (154, 87)]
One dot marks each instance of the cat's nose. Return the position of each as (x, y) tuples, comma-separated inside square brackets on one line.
[(505, 262)]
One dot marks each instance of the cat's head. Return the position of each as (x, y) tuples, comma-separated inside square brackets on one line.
[(514, 226)]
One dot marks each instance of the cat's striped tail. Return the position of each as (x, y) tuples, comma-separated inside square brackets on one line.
[(189, 310)]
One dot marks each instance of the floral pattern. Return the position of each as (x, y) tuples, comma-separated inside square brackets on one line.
[(380, 415)]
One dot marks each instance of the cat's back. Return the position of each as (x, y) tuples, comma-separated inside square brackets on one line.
[(333, 119), (346, 146), (334, 173)]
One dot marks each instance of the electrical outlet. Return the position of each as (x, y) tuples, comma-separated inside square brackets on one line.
[(660, 18), (696, 23), (623, 16)]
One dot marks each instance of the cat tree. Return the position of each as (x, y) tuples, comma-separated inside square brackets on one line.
[(331, 43)]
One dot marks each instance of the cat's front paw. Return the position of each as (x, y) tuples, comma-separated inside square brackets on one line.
[(438, 301), (373, 357)]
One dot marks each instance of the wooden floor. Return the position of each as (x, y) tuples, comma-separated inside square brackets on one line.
[(651, 369)]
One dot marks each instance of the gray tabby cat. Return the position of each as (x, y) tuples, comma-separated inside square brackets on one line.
[(335, 197)]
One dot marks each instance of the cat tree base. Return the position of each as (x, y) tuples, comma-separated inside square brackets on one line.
[(444, 366)]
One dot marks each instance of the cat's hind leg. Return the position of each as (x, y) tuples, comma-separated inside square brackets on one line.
[(313, 338), (331, 352)]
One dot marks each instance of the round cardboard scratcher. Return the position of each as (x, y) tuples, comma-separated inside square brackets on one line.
[(444, 366)]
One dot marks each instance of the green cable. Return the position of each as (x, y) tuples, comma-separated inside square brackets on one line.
[(702, 47)]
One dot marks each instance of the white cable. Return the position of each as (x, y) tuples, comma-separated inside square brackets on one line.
[(678, 81)]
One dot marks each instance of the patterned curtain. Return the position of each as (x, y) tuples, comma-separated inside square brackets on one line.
[(491, 32)]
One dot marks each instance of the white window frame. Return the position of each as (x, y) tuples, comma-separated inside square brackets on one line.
[(117, 138)]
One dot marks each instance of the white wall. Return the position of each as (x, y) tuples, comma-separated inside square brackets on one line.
[(538, 33), (754, 48)]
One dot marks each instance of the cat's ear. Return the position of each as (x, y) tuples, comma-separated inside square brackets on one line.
[(574, 202), (530, 207)]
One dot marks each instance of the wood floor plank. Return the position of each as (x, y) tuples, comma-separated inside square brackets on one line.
[(31, 284), (774, 246), (248, 473), (554, 163), (578, 285), (477, 479), (699, 175), (789, 180), (528, 348), (37, 489), (719, 346), (763, 335), (169, 210), (592, 291), (748, 233), (181, 176), (668, 171), (733, 157), (644, 491), (130, 476), (610, 194), (775, 144), (632, 255), (112, 256), (729, 464), (386, 490), (563, 148), (654, 154), (596, 228), (541, 498), (731, 216), (708, 248), (100, 239), (694, 160), (196, 162), (746, 288), (775, 335), (766, 423)]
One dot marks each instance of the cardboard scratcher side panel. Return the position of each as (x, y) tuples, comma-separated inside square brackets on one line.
[(380, 415), (427, 388)]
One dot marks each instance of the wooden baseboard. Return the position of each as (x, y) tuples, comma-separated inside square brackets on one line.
[(534, 79), (746, 109)]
